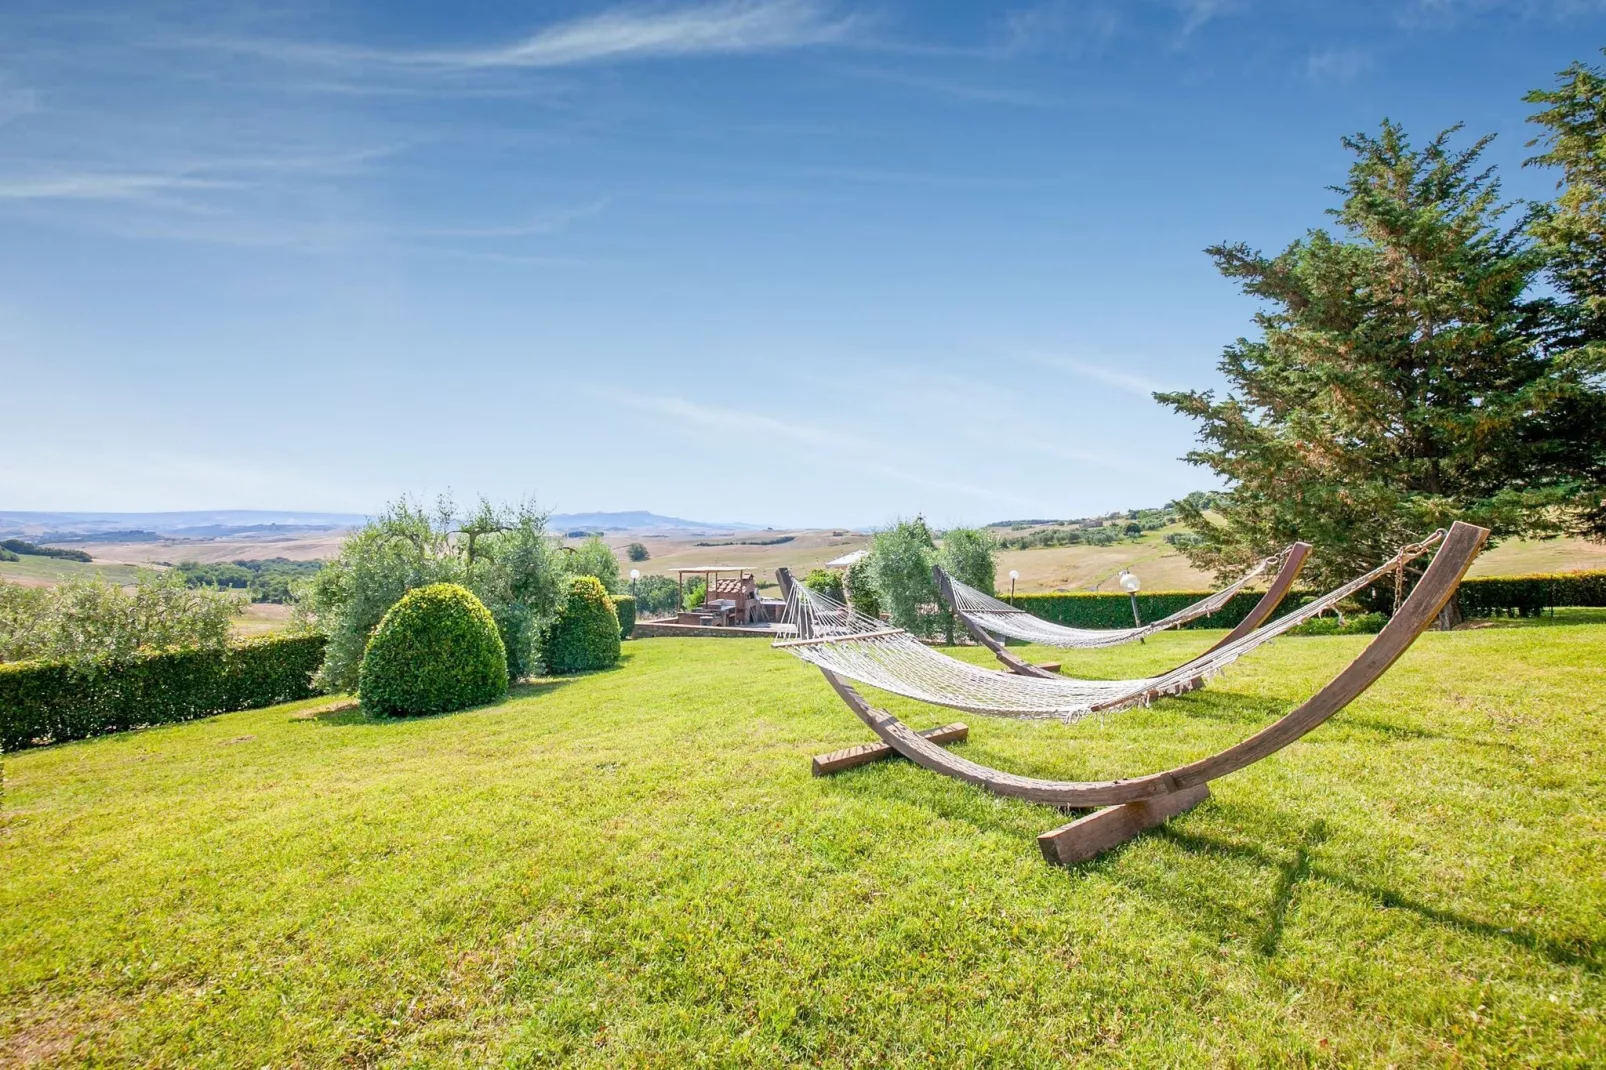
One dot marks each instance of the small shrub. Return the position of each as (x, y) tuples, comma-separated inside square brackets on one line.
[(505, 555), (586, 634), (860, 589), (637, 552), (655, 595), (89, 618), (901, 559), (967, 555), (1355, 624), (594, 558), (435, 650), (625, 606), (826, 582)]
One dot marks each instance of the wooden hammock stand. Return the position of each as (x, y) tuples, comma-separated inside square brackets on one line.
[(1260, 614), (1142, 802)]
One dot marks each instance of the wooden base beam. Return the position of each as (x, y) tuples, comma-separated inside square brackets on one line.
[(1049, 666), (1098, 832), (866, 753)]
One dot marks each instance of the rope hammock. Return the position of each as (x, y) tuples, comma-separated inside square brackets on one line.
[(1001, 618), (839, 640)]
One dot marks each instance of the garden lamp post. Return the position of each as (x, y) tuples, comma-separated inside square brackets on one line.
[(635, 574), (1013, 576), (1131, 585)]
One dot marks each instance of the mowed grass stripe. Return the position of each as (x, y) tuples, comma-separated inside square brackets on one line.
[(636, 868)]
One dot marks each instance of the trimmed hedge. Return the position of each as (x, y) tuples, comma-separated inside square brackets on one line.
[(625, 606), (1085, 609), (1528, 596), (52, 702), (1518, 596), (586, 633), (435, 650)]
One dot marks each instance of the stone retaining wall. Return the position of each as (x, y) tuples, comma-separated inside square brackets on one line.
[(653, 629)]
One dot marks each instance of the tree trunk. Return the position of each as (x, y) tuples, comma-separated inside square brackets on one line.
[(1449, 617)]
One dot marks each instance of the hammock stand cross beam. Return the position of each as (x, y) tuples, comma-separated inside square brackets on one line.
[(1142, 802)]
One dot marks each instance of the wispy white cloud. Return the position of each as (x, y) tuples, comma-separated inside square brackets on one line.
[(550, 222), (681, 409), (105, 186), (1431, 13), (174, 184), (1132, 383), (1073, 25), (845, 446), (724, 27), (1196, 14), (996, 416), (1336, 64)]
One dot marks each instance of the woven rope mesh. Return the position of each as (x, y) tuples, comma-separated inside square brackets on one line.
[(1001, 618), (826, 633)]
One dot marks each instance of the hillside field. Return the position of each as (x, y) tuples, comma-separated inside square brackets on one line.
[(1069, 568), (34, 571), (635, 868)]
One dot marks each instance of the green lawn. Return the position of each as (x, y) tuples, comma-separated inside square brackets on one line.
[(635, 868)]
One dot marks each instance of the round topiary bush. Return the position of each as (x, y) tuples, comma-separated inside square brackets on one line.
[(625, 606), (858, 585), (586, 633), (435, 650)]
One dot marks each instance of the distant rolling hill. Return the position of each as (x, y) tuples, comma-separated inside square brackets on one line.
[(208, 523), (641, 520), (226, 523)]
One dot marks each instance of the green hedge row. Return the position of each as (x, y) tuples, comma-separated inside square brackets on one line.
[(625, 606), (1527, 596), (1084, 609), (52, 702), (1521, 596)]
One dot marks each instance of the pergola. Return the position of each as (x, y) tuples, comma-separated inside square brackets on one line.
[(709, 574)]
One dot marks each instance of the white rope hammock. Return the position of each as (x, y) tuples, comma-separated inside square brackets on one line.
[(1001, 618), (826, 633)]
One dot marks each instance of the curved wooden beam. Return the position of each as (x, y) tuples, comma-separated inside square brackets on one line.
[(1436, 588), (1298, 553)]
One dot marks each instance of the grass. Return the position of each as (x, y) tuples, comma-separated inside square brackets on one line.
[(1524, 557), (37, 570), (1080, 568), (634, 868), (260, 618)]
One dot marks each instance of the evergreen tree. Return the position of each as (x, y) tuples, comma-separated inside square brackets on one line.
[(1572, 235), (1399, 381)]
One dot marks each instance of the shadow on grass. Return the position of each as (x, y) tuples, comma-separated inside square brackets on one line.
[(1565, 616), (1296, 868), (353, 714), (1226, 707), (1299, 867)]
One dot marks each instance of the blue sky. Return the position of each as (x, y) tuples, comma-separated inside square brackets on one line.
[(787, 261)]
